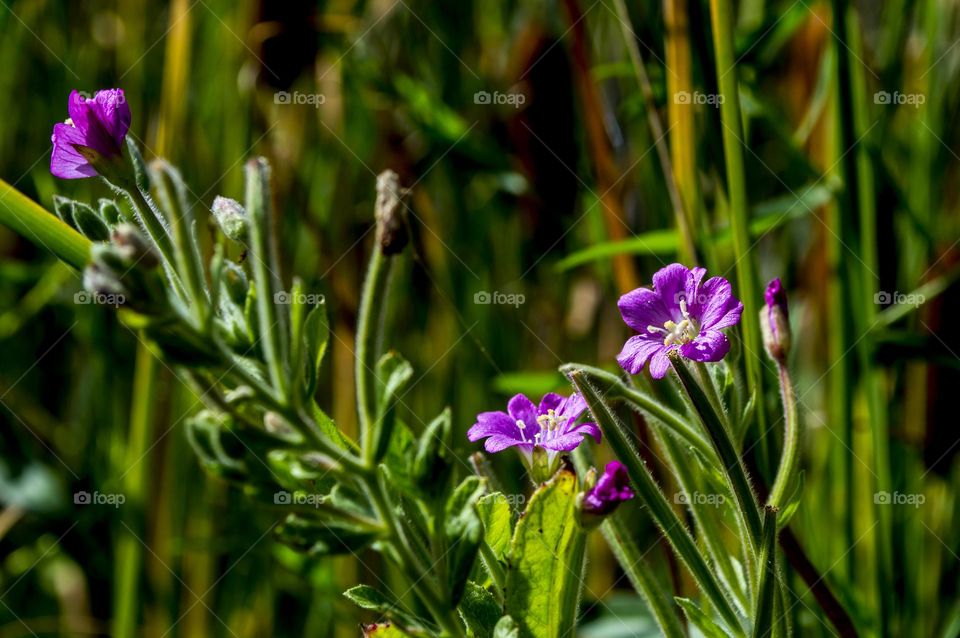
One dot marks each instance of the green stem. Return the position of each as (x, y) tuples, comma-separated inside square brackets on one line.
[(789, 459), (650, 495), (766, 592), (372, 304), (721, 15), (129, 556), (733, 467), (619, 537), (494, 568), (28, 219)]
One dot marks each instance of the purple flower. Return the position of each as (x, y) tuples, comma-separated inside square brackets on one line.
[(612, 488), (540, 433), (679, 313), (93, 134), (775, 320)]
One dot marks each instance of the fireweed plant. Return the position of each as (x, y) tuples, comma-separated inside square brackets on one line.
[(470, 565)]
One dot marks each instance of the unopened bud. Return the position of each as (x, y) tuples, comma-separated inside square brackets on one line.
[(602, 495), (775, 321), (391, 231), (231, 217)]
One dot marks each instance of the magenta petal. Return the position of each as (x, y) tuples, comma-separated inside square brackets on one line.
[(660, 363), (522, 408), (570, 440), (114, 113), (493, 423), (637, 351), (65, 161), (711, 345), (498, 443), (670, 282), (720, 308), (641, 308), (550, 401)]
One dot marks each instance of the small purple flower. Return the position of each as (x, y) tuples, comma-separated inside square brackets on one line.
[(540, 433), (679, 313), (775, 320), (612, 488), (93, 134)]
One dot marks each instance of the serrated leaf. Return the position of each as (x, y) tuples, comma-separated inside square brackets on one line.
[(546, 562), (494, 512), (480, 610)]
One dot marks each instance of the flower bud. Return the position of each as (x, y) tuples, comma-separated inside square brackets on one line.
[(231, 217), (775, 321), (600, 500), (391, 229)]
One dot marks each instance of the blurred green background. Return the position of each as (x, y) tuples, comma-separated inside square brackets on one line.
[(526, 136)]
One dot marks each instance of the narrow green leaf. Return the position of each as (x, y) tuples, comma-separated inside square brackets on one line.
[(29, 219), (700, 620)]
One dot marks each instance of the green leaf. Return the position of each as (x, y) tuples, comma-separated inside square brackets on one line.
[(494, 511), (462, 532), (546, 562), (792, 503), (316, 336), (393, 372), (433, 461), (320, 538), (700, 620), (367, 597), (506, 628), (479, 610)]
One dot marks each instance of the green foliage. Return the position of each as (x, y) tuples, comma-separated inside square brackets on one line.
[(546, 560)]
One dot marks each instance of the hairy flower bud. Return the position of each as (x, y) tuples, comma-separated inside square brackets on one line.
[(775, 321), (391, 231), (231, 217), (601, 499)]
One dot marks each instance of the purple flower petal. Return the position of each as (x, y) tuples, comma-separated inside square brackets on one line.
[(65, 161), (522, 408), (660, 363), (670, 283), (637, 351), (641, 308), (498, 443), (493, 423), (570, 440), (721, 309), (572, 407), (711, 345), (550, 401)]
